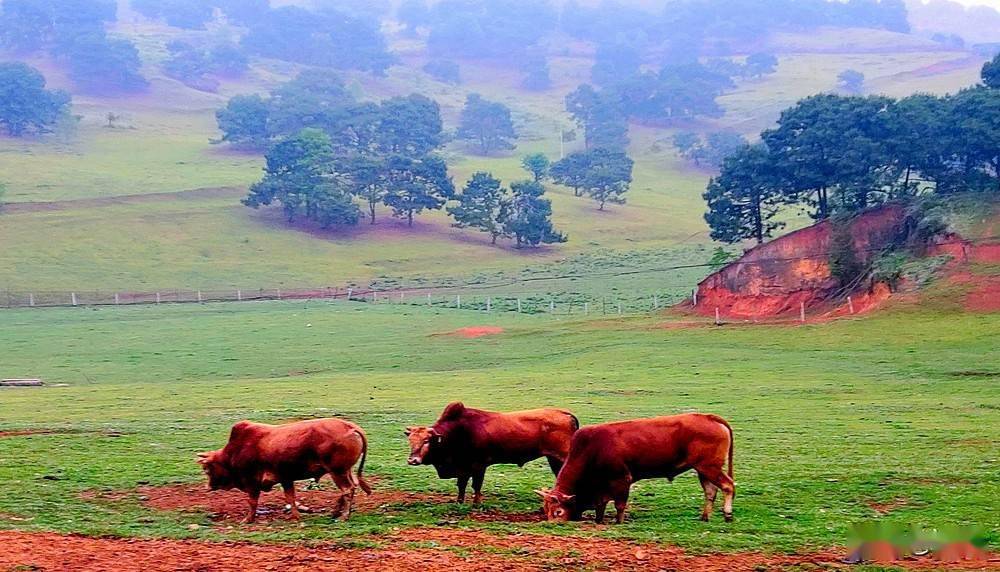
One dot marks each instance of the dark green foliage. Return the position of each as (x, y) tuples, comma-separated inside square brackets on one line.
[(845, 265), (975, 117), (744, 200), (200, 68), (415, 184), (484, 205), (538, 165), (331, 39), (991, 73), (298, 175), (720, 257), (851, 81), (187, 14), (244, 121), (530, 217), (709, 152), (25, 105), (73, 32), (760, 64), (447, 71), (600, 114), (614, 63), (488, 124), (101, 64), (409, 126), (488, 28), (603, 174), (537, 78)]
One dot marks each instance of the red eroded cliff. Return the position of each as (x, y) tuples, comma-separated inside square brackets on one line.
[(776, 277)]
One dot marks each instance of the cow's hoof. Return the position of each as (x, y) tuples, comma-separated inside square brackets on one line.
[(703, 518), (728, 517)]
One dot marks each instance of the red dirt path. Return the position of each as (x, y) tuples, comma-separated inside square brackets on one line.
[(476, 332), (454, 550)]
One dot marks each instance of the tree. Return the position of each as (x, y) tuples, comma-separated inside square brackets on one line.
[(367, 178), (487, 123), (99, 64), (415, 184), (991, 73), (687, 143), (530, 216), (571, 171), (483, 205), (746, 196), (409, 126), (975, 114), (851, 81), (614, 63), (761, 63), (537, 78), (244, 121), (25, 105), (608, 176), (299, 176), (538, 165), (600, 115)]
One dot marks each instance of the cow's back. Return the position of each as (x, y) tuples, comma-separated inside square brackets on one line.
[(306, 446), (515, 437)]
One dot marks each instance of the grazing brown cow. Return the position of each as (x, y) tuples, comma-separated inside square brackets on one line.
[(465, 441), (259, 456), (604, 460)]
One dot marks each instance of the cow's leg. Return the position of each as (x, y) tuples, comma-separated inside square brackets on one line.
[(477, 486), (463, 482), (555, 464), (602, 505), (253, 497), (289, 489), (621, 494), (346, 485), (710, 492), (726, 485)]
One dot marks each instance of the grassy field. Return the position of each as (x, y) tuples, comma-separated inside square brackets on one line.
[(127, 208), (831, 420)]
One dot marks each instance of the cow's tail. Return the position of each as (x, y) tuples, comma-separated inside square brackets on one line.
[(732, 440), (361, 466)]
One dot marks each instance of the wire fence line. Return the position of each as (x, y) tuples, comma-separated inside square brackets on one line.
[(459, 298)]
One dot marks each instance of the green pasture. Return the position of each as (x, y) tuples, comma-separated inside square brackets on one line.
[(830, 420)]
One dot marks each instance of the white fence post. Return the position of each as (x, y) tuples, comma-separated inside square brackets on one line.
[(350, 292), (694, 296), (31, 299), (73, 297), (619, 308), (199, 295), (718, 321), (552, 306), (402, 296), (458, 301), (279, 293), (239, 295), (656, 302), (802, 311), (489, 305), (586, 308), (518, 305), (157, 297), (850, 304), (429, 302)]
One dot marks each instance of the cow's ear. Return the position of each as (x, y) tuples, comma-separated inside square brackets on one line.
[(203, 458), (544, 493), (408, 430)]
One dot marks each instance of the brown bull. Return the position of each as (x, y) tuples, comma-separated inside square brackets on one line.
[(259, 456), (465, 441), (604, 460)]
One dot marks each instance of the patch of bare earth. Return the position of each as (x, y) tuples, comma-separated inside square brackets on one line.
[(473, 332), (230, 507), (424, 549)]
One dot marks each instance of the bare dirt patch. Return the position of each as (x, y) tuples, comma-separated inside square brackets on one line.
[(425, 549), (884, 508), (231, 506), (30, 432), (473, 332), (985, 297)]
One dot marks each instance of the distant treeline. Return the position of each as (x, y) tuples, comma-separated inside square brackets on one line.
[(73, 32), (842, 154)]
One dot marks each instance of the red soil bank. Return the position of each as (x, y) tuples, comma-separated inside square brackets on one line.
[(775, 278)]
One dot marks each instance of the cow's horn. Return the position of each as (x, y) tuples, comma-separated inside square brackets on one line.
[(544, 493)]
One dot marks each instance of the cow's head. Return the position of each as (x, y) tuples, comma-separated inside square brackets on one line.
[(422, 439), (217, 469), (558, 506)]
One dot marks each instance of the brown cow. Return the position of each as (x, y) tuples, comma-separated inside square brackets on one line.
[(604, 460), (465, 441), (259, 456)]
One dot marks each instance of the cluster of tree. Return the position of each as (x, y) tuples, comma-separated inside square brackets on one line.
[(480, 28), (25, 105), (604, 175), (188, 14), (519, 212), (851, 81), (319, 99), (841, 154), (486, 123), (328, 38), (201, 68), (756, 65), (708, 151), (73, 31)]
